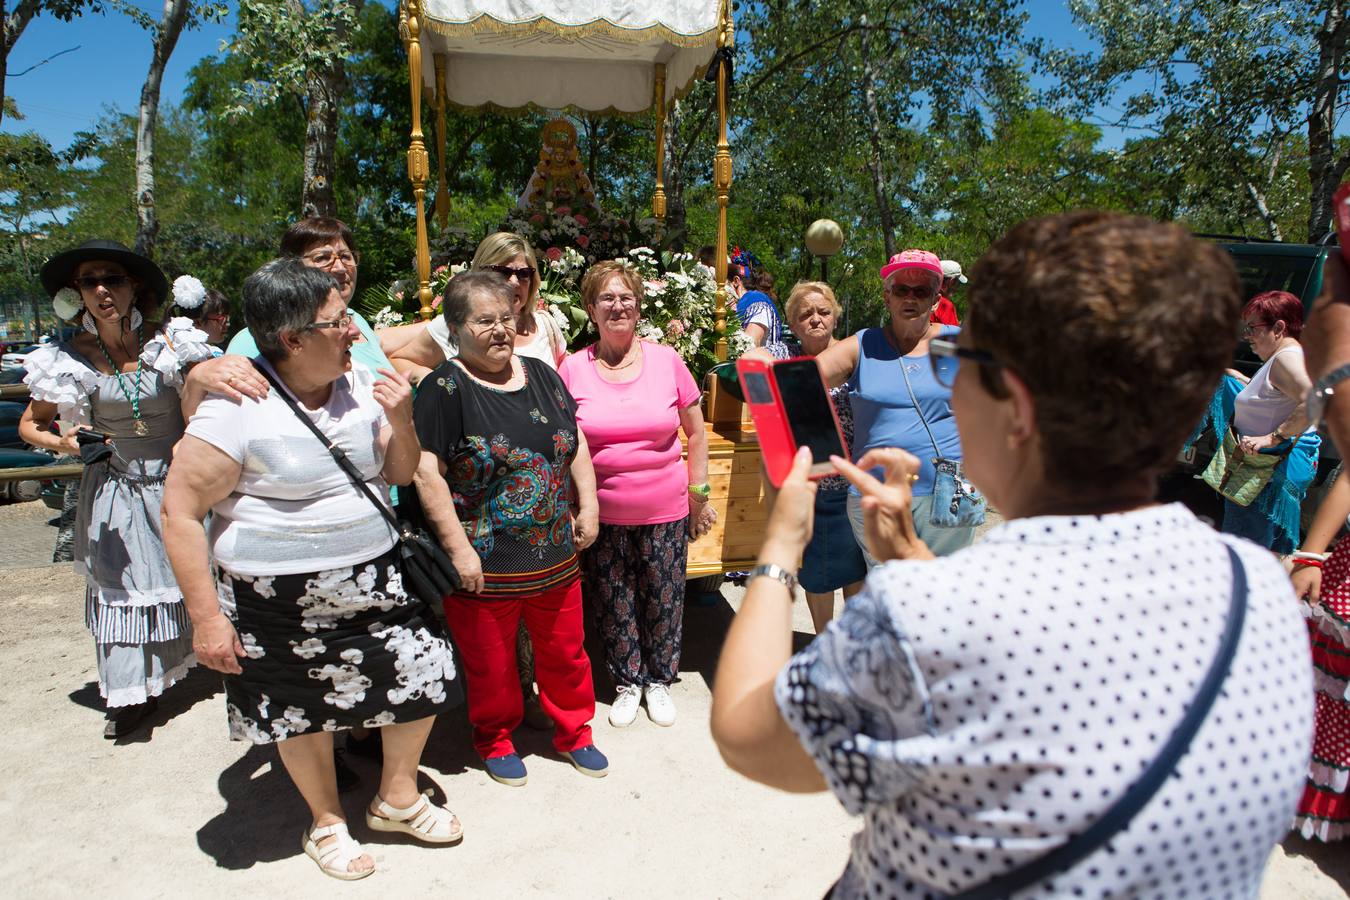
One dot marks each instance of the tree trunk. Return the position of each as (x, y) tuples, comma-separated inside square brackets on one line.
[(674, 176), (872, 115), (1259, 197), (1324, 170), (13, 23), (325, 92), (166, 37)]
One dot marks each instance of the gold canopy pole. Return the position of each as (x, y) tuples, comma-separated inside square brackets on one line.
[(442, 192), (659, 195), (410, 29), (722, 181)]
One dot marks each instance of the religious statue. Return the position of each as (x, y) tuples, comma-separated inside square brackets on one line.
[(559, 177)]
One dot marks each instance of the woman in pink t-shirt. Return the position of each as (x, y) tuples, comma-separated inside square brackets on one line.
[(633, 397)]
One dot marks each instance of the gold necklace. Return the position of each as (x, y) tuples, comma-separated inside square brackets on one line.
[(624, 366)]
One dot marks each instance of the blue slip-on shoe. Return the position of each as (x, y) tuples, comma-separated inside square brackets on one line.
[(588, 761), (506, 769)]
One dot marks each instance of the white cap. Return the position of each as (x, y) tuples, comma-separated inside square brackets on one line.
[(952, 269)]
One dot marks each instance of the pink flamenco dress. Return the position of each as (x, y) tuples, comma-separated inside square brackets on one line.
[(1324, 811)]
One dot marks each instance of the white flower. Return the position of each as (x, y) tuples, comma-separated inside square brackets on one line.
[(67, 303), (648, 331), (384, 718), (188, 292), (250, 645), (309, 648)]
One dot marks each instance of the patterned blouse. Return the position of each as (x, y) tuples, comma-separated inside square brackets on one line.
[(508, 456), (977, 710)]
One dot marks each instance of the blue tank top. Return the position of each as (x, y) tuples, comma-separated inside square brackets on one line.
[(884, 413)]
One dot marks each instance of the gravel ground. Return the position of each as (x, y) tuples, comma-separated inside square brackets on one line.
[(179, 810)]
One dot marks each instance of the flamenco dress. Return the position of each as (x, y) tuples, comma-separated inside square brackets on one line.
[(1324, 811), (133, 608)]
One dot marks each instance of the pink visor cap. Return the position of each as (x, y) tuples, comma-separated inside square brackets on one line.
[(913, 259)]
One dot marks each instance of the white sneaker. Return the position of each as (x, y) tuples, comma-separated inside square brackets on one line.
[(660, 708), (625, 707)]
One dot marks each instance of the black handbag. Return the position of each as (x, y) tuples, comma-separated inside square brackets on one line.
[(1120, 814), (428, 572)]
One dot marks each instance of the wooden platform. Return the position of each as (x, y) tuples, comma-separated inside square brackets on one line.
[(734, 471)]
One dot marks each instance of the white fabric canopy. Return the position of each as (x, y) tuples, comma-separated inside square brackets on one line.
[(594, 55)]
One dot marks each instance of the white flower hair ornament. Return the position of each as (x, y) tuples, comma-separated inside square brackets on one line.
[(188, 292), (67, 303)]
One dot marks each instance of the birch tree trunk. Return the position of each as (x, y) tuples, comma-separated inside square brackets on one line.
[(165, 39), (1324, 169), (872, 115), (325, 92), (13, 22), (674, 173)]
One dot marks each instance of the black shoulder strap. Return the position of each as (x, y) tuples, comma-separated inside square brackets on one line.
[(336, 452), (1118, 817)]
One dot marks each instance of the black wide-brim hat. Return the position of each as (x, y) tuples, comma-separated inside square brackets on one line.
[(60, 269)]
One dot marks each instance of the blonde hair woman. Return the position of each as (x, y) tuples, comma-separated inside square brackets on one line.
[(537, 336)]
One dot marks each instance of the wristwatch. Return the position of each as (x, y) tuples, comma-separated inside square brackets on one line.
[(776, 572), (1322, 391)]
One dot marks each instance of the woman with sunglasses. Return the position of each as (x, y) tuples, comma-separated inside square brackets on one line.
[(898, 398), (538, 334), (131, 378), (1266, 415)]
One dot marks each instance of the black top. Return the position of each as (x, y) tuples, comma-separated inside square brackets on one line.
[(507, 456)]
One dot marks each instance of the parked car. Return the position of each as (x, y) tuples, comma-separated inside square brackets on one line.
[(27, 489)]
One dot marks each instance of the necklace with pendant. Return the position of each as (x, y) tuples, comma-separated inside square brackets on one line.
[(137, 425)]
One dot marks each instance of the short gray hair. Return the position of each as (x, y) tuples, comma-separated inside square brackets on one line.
[(283, 295), (461, 289)]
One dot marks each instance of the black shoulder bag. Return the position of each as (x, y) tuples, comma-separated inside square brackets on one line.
[(428, 572), (1118, 817)]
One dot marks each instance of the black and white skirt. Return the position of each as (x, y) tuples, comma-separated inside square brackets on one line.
[(333, 649)]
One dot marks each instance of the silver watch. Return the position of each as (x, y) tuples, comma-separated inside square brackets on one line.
[(776, 572), (1322, 391)]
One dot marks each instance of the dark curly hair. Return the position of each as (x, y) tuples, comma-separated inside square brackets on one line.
[(1119, 326)]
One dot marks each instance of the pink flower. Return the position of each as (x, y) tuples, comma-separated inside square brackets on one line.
[(563, 210), (581, 220), (438, 270), (537, 218), (583, 242), (675, 328), (553, 253), (436, 303)]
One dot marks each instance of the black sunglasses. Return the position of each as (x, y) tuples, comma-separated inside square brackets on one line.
[(91, 282), (940, 349), (523, 274)]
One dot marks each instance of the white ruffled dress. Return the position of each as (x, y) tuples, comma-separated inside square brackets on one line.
[(133, 607)]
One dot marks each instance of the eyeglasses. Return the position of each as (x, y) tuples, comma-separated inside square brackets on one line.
[(91, 282), (506, 323), (946, 357), (616, 300), (343, 322), (326, 259), (1249, 328), (917, 291), (522, 275)]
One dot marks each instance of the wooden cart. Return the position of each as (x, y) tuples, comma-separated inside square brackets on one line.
[(595, 56)]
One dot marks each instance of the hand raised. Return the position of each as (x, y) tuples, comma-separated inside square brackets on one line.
[(888, 520)]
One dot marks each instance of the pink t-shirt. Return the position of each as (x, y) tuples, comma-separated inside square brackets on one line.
[(633, 433)]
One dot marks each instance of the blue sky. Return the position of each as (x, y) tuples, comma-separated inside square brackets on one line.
[(70, 93)]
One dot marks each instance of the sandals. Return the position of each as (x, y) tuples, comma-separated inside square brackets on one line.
[(423, 820), (334, 857)]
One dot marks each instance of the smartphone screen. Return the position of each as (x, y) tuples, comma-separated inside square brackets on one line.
[(807, 406)]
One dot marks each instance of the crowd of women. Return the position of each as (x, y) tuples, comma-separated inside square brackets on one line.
[(237, 510)]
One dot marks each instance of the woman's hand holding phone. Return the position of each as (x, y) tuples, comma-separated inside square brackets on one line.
[(888, 520)]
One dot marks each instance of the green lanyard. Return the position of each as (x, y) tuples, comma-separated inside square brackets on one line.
[(138, 426)]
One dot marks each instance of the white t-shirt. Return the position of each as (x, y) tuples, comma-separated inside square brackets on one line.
[(548, 343), (293, 510)]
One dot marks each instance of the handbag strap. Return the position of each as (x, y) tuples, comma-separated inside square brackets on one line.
[(1119, 815), (334, 451), (937, 454)]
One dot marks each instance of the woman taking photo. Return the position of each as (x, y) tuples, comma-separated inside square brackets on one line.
[(897, 398), (306, 615), (983, 710), (501, 453), (127, 376), (1266, 416), (633, 399), (832, 560)]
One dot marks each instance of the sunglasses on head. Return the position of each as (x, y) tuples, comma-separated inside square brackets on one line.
[(523, 274), (91, 282)]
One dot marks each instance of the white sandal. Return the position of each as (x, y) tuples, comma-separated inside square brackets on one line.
[(334, 857), (423, 820)]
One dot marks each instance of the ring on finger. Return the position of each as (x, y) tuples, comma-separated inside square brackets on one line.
[(911, 477)]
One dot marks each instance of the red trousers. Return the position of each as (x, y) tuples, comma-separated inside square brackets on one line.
[(485, 631)]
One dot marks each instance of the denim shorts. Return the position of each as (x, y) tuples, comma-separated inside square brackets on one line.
[(832, 560)]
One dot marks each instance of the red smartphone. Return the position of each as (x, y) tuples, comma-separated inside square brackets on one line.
[(1340, 209), (791, 408)]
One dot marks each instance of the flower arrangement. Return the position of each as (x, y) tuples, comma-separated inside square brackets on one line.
[(596, 235)]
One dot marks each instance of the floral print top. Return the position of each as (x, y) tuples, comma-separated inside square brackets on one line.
[(507, 456)]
